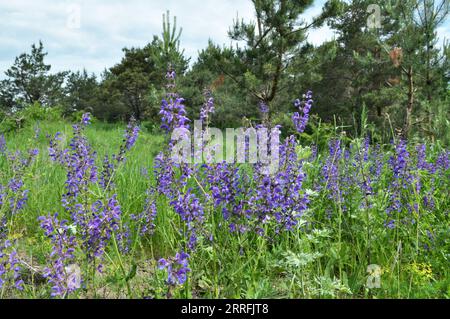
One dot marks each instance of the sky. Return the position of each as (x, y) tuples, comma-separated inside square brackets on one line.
[(91, 34)]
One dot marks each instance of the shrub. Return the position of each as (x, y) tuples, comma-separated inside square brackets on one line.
[(29, 115), (36, 112)]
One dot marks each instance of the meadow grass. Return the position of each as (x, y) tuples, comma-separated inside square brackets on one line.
[(325, 256)]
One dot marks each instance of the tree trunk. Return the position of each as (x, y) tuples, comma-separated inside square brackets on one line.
[(409, 106)]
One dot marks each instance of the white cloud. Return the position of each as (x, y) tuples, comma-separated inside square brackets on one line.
[(106, 26), (320, 35)]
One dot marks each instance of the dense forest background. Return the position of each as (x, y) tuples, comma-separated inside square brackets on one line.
[(385, 71)]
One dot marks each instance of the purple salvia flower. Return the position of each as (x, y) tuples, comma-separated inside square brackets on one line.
[(80, 166), (106, 174), (104, 221), (366, 149), (124, 239), (15, 191), (15, 185), (59, 272), (400, 160), (177, 268), (9, 267), (402, 179), (165, 175), (190, 209), (147, 217), (227, 185), (18, 203), (130, 137), (57, 154), (330, 170), (263, 107), (300, 120), (2, 144), (207, 108), (443, 161), (278, 197), (173, 112), (421, 157), (86, 119)]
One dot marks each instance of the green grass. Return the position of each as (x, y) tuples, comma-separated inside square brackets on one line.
[(325, 258)]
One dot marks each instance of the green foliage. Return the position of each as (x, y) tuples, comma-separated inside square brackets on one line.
[(7, 123), (81, 92), (28, 81), (151, 127), (375, 67), (231, 100), (270, 43), (27, 116), (36, 112)]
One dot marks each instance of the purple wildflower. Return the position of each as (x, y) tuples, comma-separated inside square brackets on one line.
[(207, 108), (400, 160), (147, 217), (421, 157), (9, 266), (402, 180), (227, 184), (130, 137), (2, 144), (177, 268), (86, 119), (165, 175), (263, 107), (330, 170), (59, 271), (80, 166), (104, 221), (173, 112), (278, 197), (304, 107), (191, 212), (14, 191), (57, 154), (106, 174), (443, 161)]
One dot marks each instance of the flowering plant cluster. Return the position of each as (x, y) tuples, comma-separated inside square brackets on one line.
[(59, 272), (351, 177), (96, 221), (13, 198), (9, 266), (248, 200), (196, 219)]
